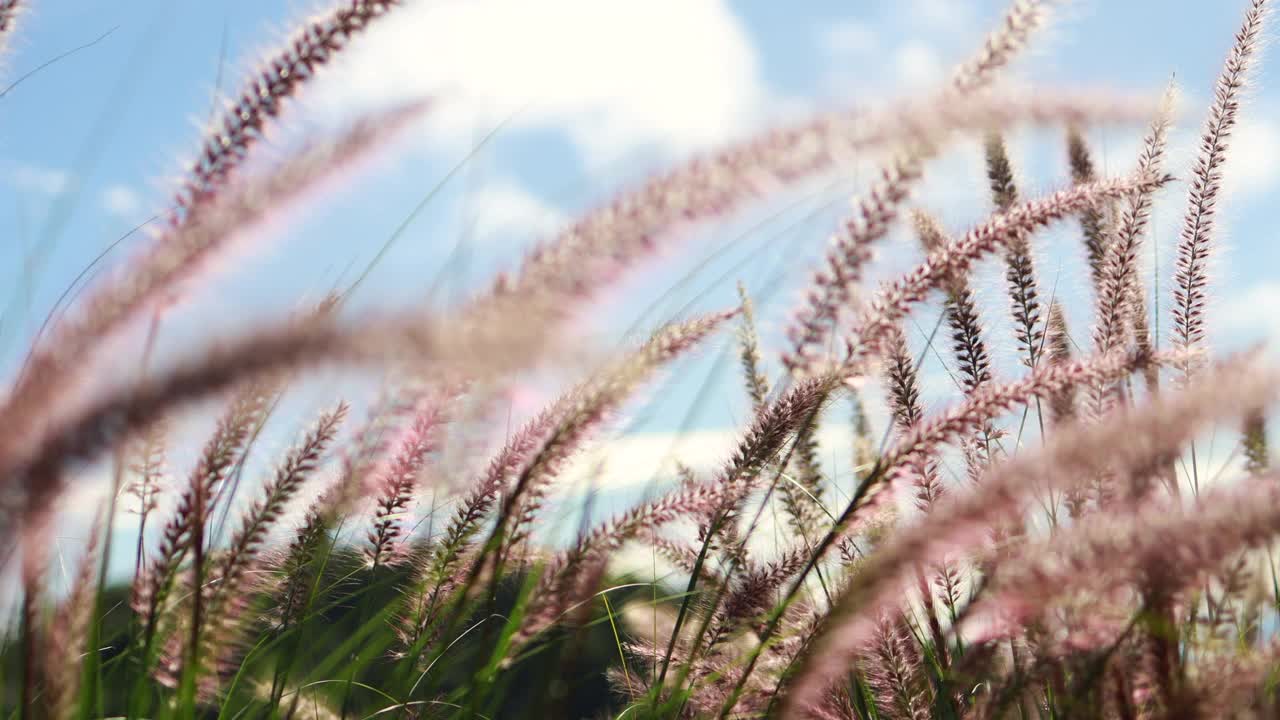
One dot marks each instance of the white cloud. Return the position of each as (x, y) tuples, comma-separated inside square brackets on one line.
[(47, 181), (503, 208), (1249, 170), (121, 200), (1251, 166), (848, 37), (942, 14), (910, 66), (1251, 315), (631, 461), (917, 65), (615, 75)]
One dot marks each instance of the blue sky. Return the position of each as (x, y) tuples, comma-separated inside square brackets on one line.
[(590, 95)]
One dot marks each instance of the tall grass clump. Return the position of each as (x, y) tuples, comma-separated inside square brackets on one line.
[(1084, 566)]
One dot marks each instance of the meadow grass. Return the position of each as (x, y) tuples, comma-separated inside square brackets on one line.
[(1084, 570)]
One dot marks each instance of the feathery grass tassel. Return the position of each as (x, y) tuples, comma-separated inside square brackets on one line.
[(1130, 441), (1106, 551), (768, 433), (695, 191), (1093, 220), (893, 302), (57, 366), (983, 406), (967, 344), (1062, 404), (904, 395), (181, 253), (1196, 244), (1020, 275), (70, 632), (832, 286), (1119, 305), (10, 10), (149, 471), (588, 405), (262, 98), (593, 249), (1256, 456), (434, 578), (220, 454), (399, 483), (1119, 281), (1020, 22), (749, 352), (904, 401), (232, 576), (894, 670), (932, 432), (184, 536), (290, 476)]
